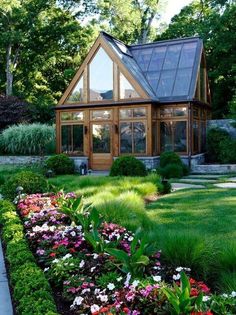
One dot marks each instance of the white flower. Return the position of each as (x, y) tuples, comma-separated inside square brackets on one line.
[(85, 290), (103, 298), (55, 261), (179, 269), (78, 300), (111, 286), (130, 238), (92, 269), (66, 256), (96, 291), (82, 263), (233, 294), (225, 295), (156, 278), (176, 277), (95, 256), (206, 298), (135, 283), (127, 280), (119, 279), (46, 269), (94, 308), (73, 233)]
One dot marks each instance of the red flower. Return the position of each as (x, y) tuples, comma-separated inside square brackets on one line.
[(52, 254), (72, 250), (126, 310), (202, 313), (194, 292)]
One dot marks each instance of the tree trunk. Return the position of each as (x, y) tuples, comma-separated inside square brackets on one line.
[(9, 74)]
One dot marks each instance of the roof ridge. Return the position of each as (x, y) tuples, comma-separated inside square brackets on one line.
[(165, 41)]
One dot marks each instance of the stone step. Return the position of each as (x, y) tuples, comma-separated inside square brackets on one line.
[(197, 180), (179, 186)]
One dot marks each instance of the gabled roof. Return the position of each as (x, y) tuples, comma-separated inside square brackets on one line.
[(166, 70)]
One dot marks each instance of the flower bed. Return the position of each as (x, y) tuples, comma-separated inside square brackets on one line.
[(101, 268)]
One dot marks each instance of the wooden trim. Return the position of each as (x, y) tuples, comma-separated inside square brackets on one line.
[(115, 82), (149, 130)]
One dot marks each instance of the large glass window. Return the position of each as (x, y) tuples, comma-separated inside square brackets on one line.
[(166, 82), (129, 113), (126, 89), (101, 77), (133, 137), (173, 112), (101, 114), (182, 82), (77, 93), (73, 116), (101, 138), (174, 136), (72, 139)]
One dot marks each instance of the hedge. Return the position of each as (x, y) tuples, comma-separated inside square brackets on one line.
[(31, 290)]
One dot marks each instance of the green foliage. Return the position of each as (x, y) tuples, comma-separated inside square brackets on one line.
[(169, 157), (220, 147), (171, 165), (110, 277), (2, 179), (31, 290), (166, 187), (60, 164), (28, 139), (135, 262), (180, 299), (128, 166), (222, 304), (30, 181), (172, 171)]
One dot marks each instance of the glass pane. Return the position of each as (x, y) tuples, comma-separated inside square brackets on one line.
[(154, 137), (157, 59), (101, 77), (139, 137), (153, 78), (195, 136), (66, 139), (172, 57), (166, 112), (180, 136), (203, 136), (182, 82), (180, 111), (187, 55), (66, 116), (126, 113), (144, 58), (77, 93), (126, 138), (101, 114), (139, 112), (101, 138), (78, 139), (126, 89), (202, 84), (166, 136), (166, 83), (78, 116), (195, 112)]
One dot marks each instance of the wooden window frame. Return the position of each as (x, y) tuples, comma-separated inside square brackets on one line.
[(72, 124)]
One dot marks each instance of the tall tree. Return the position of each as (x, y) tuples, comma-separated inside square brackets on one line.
[(129, 20), (214, 22)]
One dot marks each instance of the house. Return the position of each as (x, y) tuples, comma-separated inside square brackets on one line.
[(136, 100)]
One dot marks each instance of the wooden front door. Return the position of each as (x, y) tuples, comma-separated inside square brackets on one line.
[(101, 146)]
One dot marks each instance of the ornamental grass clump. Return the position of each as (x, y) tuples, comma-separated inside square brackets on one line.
[(33, 139)]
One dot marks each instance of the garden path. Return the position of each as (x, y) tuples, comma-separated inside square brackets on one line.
[(5, 297)]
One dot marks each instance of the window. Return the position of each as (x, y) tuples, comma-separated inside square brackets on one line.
[(101, 114), (72, 139), (182, 82), (77, 93), (195, 136), (101, 77), (133, 137), (126, 89), (173, 112), (72, 116), (174, 136), (101, 138), (130, 113)]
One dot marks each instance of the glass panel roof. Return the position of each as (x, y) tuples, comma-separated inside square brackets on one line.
[(172, 57)]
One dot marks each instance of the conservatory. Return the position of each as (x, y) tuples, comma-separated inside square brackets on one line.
[(137, 100)]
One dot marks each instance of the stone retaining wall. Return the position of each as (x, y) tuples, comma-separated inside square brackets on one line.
[(214, 169), (225, 124), (21, 160)]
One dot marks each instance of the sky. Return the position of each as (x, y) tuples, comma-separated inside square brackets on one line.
[(172, 8)]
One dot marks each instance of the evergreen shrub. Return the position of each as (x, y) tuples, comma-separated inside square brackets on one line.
[(60, 164), (128, 166)]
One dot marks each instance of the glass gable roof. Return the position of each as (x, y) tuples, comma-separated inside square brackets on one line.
[(166, 70)]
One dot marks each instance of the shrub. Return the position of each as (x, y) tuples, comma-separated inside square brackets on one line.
[(170, 158), (227, 151), (2, 179), (31, 289), (215, 138), (128, 166), (28, 139), (30, 181), (172, 171), (60, 164)]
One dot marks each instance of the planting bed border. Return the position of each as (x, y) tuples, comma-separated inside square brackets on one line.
[(31, 290)]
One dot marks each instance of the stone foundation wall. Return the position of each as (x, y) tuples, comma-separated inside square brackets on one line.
[(214, 169), (225, 124), (21, 160)]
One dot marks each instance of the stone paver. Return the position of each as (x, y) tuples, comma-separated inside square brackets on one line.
[(226, 185), (197, 180), (5, 297), (179, 186), (204, 176), (231, 179)]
